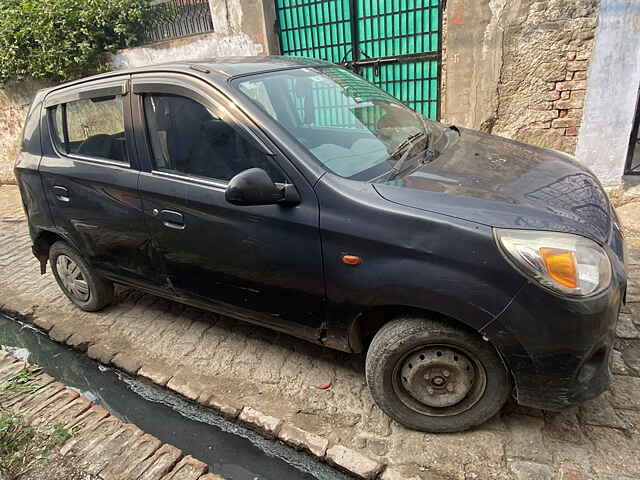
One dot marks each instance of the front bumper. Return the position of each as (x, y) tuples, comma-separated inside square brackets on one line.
[(558, 349)]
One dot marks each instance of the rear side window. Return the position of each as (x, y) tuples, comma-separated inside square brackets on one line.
[(91, 127)]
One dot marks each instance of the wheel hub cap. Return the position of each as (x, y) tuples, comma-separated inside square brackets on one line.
[(437, 376), (72, 278)]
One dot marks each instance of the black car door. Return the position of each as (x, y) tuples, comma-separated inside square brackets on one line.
[(90, 176), (259, 263)]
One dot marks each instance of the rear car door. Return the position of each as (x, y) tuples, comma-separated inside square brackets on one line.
[(90, 177), (259, 263)]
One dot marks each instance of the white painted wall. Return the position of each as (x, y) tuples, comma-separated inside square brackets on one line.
[(228, 39), (192, 48), (612, 91)]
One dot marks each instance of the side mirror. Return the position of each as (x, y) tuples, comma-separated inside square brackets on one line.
[(255, 187)]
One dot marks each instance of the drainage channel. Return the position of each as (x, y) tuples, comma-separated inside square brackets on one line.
[(229, 449)]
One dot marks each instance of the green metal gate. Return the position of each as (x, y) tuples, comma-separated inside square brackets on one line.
[(395, 44)]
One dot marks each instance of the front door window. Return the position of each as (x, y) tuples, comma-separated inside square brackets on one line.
[(189, 139)]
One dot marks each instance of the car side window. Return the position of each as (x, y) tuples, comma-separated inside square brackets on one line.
[(92, 127), (187, 138)]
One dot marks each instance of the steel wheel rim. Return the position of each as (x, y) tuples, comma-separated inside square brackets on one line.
[(469, 380), (72, 278)]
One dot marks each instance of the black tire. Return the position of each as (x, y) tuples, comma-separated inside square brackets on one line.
[(100, 290), (405, 340)]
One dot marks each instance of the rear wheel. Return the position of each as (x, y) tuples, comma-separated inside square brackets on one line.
[(77, 280), (435, 377)]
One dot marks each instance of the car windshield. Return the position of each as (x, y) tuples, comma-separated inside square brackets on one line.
[(352, 127)]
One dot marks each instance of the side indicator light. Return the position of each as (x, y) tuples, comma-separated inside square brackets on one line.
[(351, 260)]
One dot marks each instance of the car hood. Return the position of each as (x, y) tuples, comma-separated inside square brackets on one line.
[(506, 184)]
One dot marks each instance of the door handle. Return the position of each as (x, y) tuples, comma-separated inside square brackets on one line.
[(61, 193), (171, 219)]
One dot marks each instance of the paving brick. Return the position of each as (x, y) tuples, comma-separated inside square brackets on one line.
[(225, 408), (526, 441), (127, 363), (615, 452), (600, 412), (88, 418), (187, 469), (101, 353), (531, 471), (22, 402), (564, 426), (299, 438), (158, 375), (132, 460), (111, 447), (50, 409), (92, 436), (70, 411), (42, 381), (60, 399), (573, 472), (631, 359), (399, 473), (625, 327), (157, 466), (260, 421), (79, 341), (185, 386), (60, 333), (626, 392), (353, 462), (10, 370)]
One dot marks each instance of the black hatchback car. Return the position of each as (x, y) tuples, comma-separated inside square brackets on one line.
[(293, 194)]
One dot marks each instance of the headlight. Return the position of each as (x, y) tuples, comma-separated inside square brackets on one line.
[(563, 262)]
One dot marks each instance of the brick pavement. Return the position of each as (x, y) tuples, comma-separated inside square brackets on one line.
[(105, 446), (236, 367)]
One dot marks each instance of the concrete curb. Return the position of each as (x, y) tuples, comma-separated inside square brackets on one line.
[(337, 455), (116, 450)]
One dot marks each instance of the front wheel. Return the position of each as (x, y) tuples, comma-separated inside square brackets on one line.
[(431, 376)]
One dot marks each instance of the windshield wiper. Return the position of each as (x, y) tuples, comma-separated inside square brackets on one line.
[(408, 143), (401, 146)]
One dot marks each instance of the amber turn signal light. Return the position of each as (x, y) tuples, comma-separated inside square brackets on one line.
[(351, 260), (561, 265)]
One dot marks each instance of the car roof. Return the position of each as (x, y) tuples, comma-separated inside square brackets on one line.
[(221, 68)]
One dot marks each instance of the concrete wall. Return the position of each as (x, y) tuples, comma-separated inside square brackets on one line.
[(612, 95), (517, 68), (15, 99)]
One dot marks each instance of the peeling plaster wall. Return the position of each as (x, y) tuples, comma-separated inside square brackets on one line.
[(517, 68)]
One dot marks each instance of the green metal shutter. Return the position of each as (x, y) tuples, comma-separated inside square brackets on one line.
[(395, 44)]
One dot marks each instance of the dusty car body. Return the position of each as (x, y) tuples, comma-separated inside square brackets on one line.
[(467, 266)]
